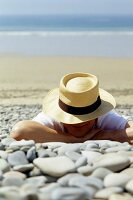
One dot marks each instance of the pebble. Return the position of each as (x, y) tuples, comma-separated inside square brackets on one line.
[(124, 196), (23, 168), (85, 170), (116, 179), (95, 169), (106, 192), (55, 166), (101, 172), (65, 179), (4, 165), (129, 186), (91, 156), (17, 158), (39, 181), (14, 174), (66, 193), (112, 161), (86, 181)]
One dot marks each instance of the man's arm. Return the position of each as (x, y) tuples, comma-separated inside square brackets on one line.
[(125, 135), (31, 130)]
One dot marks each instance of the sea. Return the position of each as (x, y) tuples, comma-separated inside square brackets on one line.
[(67, 35)]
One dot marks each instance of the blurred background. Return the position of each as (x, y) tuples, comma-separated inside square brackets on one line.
[(41, 40)]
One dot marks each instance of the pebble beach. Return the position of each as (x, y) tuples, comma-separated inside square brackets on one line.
[(59, 171), (101, 170)]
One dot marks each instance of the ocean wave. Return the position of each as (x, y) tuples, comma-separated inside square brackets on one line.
[(64, 33)]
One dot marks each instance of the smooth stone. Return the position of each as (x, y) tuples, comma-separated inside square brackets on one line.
[(91, 156), (31, 154), (30, 195), (12, 149), (35, 172), (116, 179), (101, 172), (3, 154), (4, 165), (51, 179), (112, 161), (66, 193), (118, 148), (90, 191), (129, 154), (85, 170), (6, 189), (101, 143), (68, 147), (29, 192), (43, 153), (74, 156), (39, 181), (92, 146), (123, 196), (129, 186), (2, 147), (46, 191), (23, 168), (10, 193), (53, 145), (128, 172), (22, 143), (7, 141), (82, 161), (65, 179), (105, 193), (14, 181), (55, 166), (24, 149), (1, 175), (14, 174), (17, 158), (86, 181)]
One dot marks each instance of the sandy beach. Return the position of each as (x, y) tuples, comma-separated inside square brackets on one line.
[(26, 79)]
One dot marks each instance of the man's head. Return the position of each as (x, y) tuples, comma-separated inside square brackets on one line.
[(80, 129), (78, 99)]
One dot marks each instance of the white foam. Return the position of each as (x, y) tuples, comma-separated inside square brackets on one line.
[(64, 33)]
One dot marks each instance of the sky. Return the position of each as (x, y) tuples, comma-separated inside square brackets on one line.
[(99, 7)]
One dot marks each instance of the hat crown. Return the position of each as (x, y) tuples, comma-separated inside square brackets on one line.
[(79, 89), (79, 84)]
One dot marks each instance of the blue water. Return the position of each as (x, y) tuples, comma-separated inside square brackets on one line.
[(110, 36)]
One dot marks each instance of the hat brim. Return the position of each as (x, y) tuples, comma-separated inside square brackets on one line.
[(52, 109)]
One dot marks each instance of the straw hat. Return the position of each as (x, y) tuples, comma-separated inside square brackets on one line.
[(78, 99)]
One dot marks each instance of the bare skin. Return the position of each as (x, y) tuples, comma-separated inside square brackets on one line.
[(30, 130)]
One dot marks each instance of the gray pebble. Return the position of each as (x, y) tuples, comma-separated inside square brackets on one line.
[(112, 161), (17, 158), (23, 168), (14, 181), (82, 161), (31, 154), (101, 172), (39, 181), (74, 156), (4, 165), (66, 193), (86, 181)]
